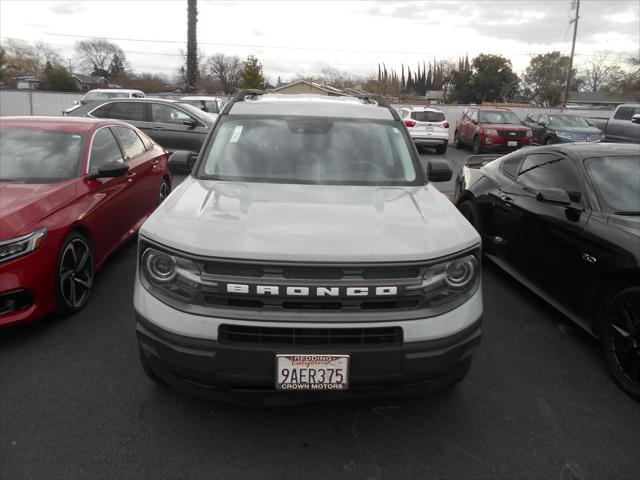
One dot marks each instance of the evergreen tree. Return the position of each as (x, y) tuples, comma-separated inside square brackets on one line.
[(251, 74)]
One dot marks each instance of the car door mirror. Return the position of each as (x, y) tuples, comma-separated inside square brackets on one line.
[(181, 161), (438, 170), (110, 169), (554, 196), (191, 123), (635, 118)]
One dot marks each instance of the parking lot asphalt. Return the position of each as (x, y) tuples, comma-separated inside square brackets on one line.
[(537, 403)]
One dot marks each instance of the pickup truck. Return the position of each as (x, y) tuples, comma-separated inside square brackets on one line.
[(623, 126)]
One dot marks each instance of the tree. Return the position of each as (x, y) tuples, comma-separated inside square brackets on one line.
[(251, 74), (117, 65), (56, 78), (493, 79), (600, 74), (96, 55), (192, 46), (545, 78), (225, 70), (461, 86)]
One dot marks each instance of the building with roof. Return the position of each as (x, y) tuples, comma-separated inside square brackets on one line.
[(600, 99), (84, 83), (27, 83)]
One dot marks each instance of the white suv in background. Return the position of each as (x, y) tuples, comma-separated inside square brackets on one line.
[(427, 126), (102, 94)]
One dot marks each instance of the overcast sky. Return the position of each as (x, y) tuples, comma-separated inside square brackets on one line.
[(302, 37)]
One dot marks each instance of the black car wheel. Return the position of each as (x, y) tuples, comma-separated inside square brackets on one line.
[(441, 149), (620, 337), (470, 212), (165, 189), (456, 140), (74, 275), (549, 141), (477, 146)]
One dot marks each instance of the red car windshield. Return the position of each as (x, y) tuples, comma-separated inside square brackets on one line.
[(39, 156), (499, 117)]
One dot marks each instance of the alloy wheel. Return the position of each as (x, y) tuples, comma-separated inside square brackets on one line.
[(624, 338), (76, 273)]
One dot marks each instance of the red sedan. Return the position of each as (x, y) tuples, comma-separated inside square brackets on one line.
[(71, 191)]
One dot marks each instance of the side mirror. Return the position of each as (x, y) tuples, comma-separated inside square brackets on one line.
[(191, 123), (635, 118), (181, 161), (554, 196), (110, 169), (438, 170)]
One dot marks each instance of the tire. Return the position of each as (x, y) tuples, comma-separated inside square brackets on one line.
[(456, 140), (549, 141), (620, 339), (441, 149), (74, 274), (470, 211), (476, 146), (165, 189)]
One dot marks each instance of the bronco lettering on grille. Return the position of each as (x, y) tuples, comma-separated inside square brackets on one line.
[(300, 291)]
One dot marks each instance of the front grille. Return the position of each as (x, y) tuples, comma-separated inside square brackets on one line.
[(310, 336), (512, 133), (287, 303)]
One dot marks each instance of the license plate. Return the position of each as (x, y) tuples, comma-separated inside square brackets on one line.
[(427, 127), (512, 144), (305, 372)]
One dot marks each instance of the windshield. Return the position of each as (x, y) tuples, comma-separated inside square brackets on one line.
[(103, 95), (309, 150), (567, 121), (499, 117), (39, 156), (428, 116), (616, 180)]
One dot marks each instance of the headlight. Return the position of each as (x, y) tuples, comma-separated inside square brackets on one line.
[(16, 247), (529, 134), (491, 131), (172, 275), (448, 281)]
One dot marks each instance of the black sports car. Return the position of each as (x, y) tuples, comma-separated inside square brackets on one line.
[(565, 221)]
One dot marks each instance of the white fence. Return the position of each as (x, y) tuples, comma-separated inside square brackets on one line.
[(28, 102)]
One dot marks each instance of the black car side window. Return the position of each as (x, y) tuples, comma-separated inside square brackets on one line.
[(103, 111), (131, 111), (104, 149), (547, 170), (132, 144), (165, 114)]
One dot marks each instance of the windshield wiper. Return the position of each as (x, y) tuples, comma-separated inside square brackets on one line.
[(627, 213)]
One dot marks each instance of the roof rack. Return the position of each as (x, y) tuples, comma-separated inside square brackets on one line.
[(241, 96), (380, 100)]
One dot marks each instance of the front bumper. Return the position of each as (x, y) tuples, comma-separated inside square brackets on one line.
[(244, 373)]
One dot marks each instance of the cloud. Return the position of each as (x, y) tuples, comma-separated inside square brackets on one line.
[(68, 8)]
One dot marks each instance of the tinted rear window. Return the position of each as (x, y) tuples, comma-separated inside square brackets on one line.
[(39, 156), (428, 116)]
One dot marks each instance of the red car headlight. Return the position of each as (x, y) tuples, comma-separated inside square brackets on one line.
[(16, 247)]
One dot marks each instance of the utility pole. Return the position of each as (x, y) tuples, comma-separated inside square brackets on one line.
[(573, 48), (192, 46)]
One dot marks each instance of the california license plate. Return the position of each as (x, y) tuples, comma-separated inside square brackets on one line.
[(312, 372), (427, 127), (512, 144)]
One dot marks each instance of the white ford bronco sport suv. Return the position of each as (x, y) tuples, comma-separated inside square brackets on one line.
[(306, 257)]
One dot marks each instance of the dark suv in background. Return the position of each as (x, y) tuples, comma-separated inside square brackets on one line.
[(491, 129)]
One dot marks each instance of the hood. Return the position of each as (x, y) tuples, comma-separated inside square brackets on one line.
[(578, 130), (506, 126), (309, 222), (23, 204)]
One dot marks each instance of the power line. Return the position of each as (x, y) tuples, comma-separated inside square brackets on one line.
[(286, 47)]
